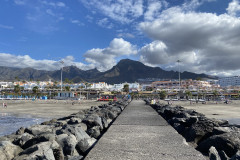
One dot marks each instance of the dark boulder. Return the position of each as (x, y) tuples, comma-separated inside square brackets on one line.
[(38, 139), (94, 132), (213, 154), (22, 139), (46, 150), (93, 120), (84, 145), (39, 129), (227, 142)]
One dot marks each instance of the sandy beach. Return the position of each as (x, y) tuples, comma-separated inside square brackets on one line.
[(211, 109), (46, 108)]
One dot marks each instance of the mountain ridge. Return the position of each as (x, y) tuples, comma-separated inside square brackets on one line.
[(125, 71)]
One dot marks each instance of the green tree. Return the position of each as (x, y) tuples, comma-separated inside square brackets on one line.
[(17, 89), (149, 88), (188, 94), (66, 80), (199, 78), (67, 88), (126, 88), (35, 90), (215, 94), (17, 79), (87, 85), (162, 94)]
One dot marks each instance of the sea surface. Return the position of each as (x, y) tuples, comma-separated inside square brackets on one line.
[(10, 123)]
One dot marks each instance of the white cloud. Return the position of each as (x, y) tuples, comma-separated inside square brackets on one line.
[(24, 61), (6, 27), (53, 4), (89, 18), (153, 10), (104, 59), (126, 35), (50, 12), (20, 2), (105, 23), (205, 42), (124, 11), (75, 21), (233, 8)]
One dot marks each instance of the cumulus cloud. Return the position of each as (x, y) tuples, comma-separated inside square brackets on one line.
[(233, 8), (104, 59), (124, 11), (24, 61), (205, 42)]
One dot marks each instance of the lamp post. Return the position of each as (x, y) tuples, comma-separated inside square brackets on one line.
[(179, 76), (61, 72)]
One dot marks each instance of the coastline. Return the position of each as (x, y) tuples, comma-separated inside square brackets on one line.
[(47, 109)]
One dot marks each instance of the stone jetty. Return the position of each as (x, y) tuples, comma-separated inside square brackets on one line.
[(139, 133), (67, 138), (214, 138)]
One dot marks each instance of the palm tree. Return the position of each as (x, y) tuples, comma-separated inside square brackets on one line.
[(188, 94), (163, 94), (215, 94), (17, 89), (35, 89), (67, 88), (126, 88)]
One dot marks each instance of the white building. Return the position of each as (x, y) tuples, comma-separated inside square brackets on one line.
[(5, 84), (99, 86), (116, 87), (229, 81)]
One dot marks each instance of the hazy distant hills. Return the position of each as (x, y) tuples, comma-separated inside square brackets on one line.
[(125, 71)]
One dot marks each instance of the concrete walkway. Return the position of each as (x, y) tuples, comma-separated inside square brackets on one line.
[(139, 133)]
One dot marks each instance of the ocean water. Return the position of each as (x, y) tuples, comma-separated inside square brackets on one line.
[(235, 121), (10, 123)]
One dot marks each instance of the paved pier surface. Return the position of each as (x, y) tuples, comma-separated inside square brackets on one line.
[(139, 133)]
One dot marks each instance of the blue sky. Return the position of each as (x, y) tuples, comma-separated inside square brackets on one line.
[(203, 34)]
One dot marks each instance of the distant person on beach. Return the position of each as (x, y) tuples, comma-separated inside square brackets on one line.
[(3, 105)]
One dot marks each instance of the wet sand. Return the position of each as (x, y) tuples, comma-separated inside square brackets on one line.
[(220, 110), (46, 108)]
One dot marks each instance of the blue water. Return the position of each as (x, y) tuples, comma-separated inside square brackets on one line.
[(10, 123), (235, 121)]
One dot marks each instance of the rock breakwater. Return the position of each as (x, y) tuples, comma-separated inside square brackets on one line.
[(214, 138), (66, 138)]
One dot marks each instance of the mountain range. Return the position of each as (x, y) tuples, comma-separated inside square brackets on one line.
[(125, 71)]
